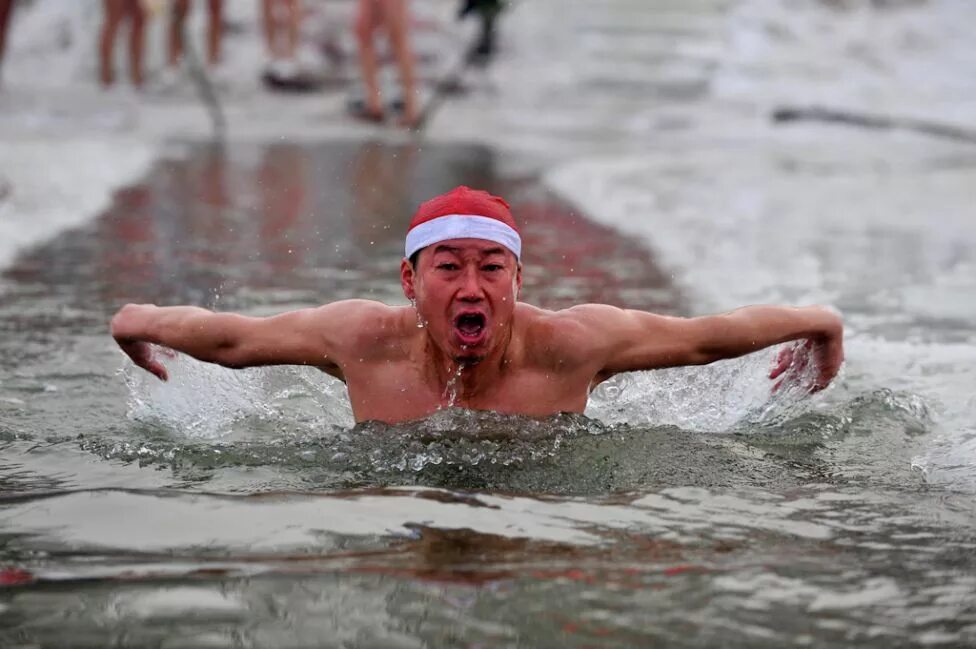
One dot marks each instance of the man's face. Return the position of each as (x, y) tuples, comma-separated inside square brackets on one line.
[(465, 291)]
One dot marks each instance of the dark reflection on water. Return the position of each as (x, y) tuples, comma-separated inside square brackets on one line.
[(463, 530), (289, 224)]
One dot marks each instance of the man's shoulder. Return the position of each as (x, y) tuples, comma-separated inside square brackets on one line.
[(572, 319), (562, 334), (358, 307), (368, 321), (366, 328)]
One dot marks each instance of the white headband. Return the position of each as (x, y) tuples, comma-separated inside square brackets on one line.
[(462, 226)]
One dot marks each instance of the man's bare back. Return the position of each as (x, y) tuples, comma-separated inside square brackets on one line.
[(466, 340)]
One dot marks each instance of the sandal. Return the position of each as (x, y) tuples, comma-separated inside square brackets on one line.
[(357, 109)]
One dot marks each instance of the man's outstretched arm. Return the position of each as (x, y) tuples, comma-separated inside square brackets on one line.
[(636, 340), (303, 337)]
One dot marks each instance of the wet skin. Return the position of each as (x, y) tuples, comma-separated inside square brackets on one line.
[(468, 342)]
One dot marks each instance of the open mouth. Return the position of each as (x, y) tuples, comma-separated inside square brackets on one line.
[(470, 328)]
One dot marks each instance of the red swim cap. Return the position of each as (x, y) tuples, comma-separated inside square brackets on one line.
[(463, 213)]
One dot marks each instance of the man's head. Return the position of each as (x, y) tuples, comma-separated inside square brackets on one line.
[(462, 269)]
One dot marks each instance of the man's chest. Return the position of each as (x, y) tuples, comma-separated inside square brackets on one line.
[(402, 394)]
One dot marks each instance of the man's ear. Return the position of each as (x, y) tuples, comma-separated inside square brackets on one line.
[(518, 280), (407, 277)]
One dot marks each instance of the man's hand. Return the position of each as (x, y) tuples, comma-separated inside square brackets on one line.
[(827, 354), (127, 330), (143, 355)]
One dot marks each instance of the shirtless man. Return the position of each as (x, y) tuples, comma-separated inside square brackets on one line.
[(466, 340)]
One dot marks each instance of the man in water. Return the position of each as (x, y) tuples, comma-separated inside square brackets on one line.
[(466, 340)]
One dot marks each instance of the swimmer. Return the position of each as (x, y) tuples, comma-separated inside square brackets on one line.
[(465, 339)]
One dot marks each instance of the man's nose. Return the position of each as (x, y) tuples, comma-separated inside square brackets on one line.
[(471, 285)]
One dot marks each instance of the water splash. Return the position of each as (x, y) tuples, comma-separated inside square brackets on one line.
[(457, 448), (720, 397), (421, 323), (371, 453), (452, 388), (466, 438), (206, 401)]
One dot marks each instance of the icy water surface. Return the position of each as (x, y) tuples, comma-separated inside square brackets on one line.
[(689, 508)]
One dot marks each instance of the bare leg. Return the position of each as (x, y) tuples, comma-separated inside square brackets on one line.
[(6, 10), (106, 45), (366, 23), (268, 15), (397, 18), (294, 26), (137, 33), (215, 31), (177, 19)]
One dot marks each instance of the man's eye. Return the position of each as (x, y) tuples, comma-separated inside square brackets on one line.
[(491, 267), (447, 266)]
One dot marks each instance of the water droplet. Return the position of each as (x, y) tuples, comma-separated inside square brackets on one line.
[(451, 389)]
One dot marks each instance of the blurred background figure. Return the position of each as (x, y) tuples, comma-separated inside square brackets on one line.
[(282, 26), (393, 17), (6, 11), (177, 29), (117, 12), (487, 11)]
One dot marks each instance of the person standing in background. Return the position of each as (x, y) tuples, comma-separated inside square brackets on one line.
[(6, 11), (177, 22), (282, 26), (393, 17), (488, 11), (117, 12)]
